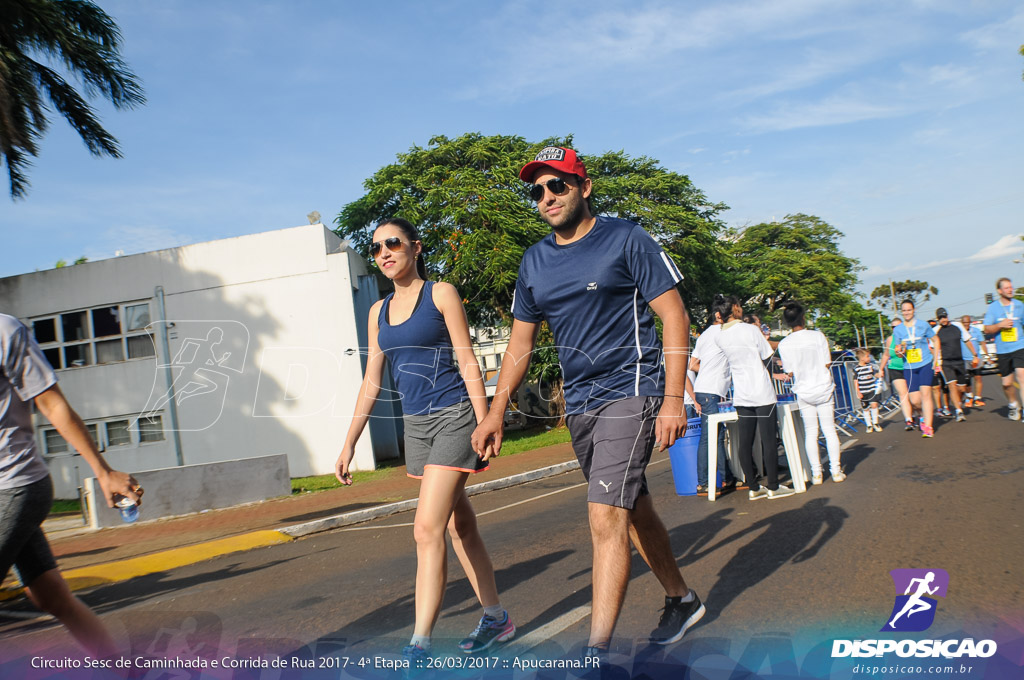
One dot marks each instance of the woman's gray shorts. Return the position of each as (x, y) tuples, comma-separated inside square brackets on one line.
[(22, 542), (441, 439), (613, 443)]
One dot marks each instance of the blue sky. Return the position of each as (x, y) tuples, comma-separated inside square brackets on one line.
[(898, 123)]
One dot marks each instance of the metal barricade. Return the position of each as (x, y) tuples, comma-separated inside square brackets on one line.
[(847, 406)]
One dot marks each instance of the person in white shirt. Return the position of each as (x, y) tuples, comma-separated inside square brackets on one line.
[(710, 388), (747, 351), (805, 355)]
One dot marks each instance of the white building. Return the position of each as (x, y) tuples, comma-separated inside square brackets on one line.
[(216, 351)]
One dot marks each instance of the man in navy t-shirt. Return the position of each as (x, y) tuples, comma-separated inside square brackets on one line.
[(595, 280)]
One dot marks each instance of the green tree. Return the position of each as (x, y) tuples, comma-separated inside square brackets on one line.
[(916, 291), (839, 326), (796, 259), (85, 42), (476, 220)]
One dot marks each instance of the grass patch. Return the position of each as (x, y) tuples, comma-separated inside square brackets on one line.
[(63, 506), (324, 482), (513, 443), (528, 440)]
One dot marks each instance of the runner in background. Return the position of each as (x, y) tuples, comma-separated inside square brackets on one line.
[(1004, 319), (954, 370), (915, 343), (974, 396), (893, 363)]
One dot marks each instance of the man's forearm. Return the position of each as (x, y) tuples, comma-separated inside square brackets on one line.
[(676, 339), (69, 424)]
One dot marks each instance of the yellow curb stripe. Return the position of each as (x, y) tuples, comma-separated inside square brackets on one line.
[(113, 572)]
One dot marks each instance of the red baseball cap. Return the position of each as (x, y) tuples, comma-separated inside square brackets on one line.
[(557, 158)]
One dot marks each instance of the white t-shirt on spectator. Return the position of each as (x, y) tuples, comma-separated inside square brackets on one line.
[(713, 376), (746, 349), (805, 354)]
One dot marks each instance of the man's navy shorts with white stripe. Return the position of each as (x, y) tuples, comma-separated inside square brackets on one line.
[(613, 444)]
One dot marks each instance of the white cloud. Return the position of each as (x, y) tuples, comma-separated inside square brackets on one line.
[(835, 109), (999, 36), (1007, 247), (668, 44)]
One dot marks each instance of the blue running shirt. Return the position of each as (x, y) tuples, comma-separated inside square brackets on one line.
[(916, 336), (594, 293), (1010, 339), (979, 342)]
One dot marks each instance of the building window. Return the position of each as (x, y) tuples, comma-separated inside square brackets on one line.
[(109, 351), (77, 355), (107, 434), (74, 326), (45, 330), (151, 429), (136, 317), (105, 322), (100, 335), (54, 442), (118, 433), (140, 346), (52, 355)]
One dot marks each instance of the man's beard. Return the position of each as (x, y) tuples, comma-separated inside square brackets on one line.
[(574, 219)]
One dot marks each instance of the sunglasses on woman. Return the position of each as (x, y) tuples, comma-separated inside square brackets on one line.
[(556, 186), (394, 244)]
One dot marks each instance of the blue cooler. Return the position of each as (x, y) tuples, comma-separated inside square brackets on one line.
[(683, 457)]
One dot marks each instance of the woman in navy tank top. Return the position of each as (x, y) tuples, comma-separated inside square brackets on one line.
[(417, 329)]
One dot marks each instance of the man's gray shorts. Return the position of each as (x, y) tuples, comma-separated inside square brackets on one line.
[(22, 543), (441, 439), (613, 444)]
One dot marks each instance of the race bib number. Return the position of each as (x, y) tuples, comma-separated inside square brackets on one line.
[(1009, 334), (914, 355)]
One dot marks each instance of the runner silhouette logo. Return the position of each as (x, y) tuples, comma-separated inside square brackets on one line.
[(915, 606)]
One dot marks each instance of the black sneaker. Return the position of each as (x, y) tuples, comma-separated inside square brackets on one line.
[(676, 619), (487, 632)]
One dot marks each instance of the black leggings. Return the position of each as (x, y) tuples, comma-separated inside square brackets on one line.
[(763, 418)]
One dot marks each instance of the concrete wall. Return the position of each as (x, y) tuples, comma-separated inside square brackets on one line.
[(193, 488), (263, 351)]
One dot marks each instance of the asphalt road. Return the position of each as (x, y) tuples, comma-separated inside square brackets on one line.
[(789, 573)]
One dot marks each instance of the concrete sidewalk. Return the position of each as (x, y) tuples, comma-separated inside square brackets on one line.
[(89, 558)]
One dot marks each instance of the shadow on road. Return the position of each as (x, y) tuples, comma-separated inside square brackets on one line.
[(855, 455), (398, 615), (793, 535)]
